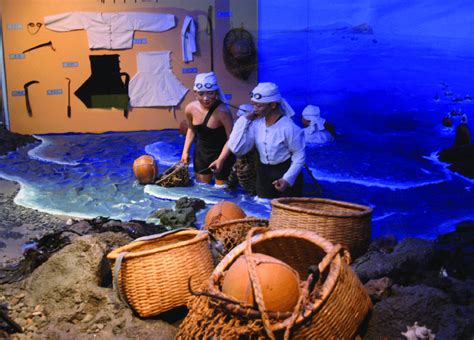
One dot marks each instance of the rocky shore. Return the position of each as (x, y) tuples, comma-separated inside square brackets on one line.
[(60, 285)]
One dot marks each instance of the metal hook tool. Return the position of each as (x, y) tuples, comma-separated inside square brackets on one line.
[(68, 97)]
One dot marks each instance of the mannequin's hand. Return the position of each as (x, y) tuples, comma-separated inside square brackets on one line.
[(281, 184), (217, 165)]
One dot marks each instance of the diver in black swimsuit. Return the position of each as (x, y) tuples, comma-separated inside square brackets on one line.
[(211, 123)]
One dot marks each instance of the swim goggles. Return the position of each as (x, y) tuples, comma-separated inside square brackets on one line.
[(258, 95), (206, 85)]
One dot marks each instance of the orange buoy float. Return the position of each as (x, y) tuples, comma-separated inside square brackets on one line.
[(145, 169), (223, 211), (278, 281), (183, 127)]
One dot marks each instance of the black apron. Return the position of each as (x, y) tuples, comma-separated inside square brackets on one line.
[(105, 87)]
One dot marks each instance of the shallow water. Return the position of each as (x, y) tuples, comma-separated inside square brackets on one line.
[(88, 175)]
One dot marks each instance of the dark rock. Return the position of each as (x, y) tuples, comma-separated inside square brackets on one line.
[(384, 244), (455, 251), (378, 289), (461, 159), (407, 257), (10, 141), (189, 202), (179, 218), (426, 305)]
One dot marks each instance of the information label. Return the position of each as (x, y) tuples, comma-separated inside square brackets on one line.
[(190, 70)]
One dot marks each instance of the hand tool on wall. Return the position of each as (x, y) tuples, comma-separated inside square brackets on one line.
[(49, 43), (210, 33), (68, 97), (27, 98), (33, 27)]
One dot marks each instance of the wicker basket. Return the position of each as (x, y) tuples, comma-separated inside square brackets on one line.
[(333, 310), (231, 233), (339, 222), (175, 176), (151, 274)]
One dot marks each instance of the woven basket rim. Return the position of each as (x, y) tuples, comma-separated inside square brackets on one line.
[(159, 249), (282, 204), (238, 220), (325, 245)]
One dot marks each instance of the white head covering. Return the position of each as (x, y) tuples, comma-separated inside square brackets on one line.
[(312, 113), (244, 109), (464, 119), (208, 82), (270, 93)]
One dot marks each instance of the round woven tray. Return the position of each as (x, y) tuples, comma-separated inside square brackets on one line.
[(339, 222)]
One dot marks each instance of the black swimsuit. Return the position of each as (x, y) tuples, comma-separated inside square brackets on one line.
[(209, 144)]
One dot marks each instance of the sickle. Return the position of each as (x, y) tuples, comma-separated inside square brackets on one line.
[(27, 98)]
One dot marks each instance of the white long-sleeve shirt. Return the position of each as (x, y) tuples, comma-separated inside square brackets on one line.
[(112, 30), (275, 143)]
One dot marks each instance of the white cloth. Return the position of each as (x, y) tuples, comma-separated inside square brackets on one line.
[(208, 82), (316, 132), (188, 38), (155, 84), (275, 143), (312, 136), (112, 30), (244, 109), (270, 93)]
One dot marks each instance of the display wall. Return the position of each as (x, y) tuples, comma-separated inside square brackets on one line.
[(48, 68)]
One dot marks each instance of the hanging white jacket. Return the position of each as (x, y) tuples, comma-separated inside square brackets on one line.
[(113, 30), (188, 38)]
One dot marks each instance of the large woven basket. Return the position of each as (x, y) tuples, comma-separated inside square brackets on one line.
[(333, 310), (175, 176), (233, 232), (339, 222), (151, 274)]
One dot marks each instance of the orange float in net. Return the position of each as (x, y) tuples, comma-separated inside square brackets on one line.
[(145, 169), (279, 283), (223, 211)]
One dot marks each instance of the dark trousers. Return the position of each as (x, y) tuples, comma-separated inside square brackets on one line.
[(267, 173)]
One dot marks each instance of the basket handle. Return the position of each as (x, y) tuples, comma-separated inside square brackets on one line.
[(115, 282), (257, 289), (331, 255)]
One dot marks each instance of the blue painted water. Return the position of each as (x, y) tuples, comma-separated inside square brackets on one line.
[(90, 175)]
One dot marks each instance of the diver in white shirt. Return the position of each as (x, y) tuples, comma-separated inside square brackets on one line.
[(279, 141)]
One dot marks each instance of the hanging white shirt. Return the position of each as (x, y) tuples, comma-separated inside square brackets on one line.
[(275, 143), (188, 38), (112, 30)]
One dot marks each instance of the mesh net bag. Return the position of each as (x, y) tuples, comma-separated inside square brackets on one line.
[(175, 176)]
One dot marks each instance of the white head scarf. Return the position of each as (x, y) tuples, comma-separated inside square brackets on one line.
[(270, 93), (244, 109), (312, 113), (464, 119), (208, 82)]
